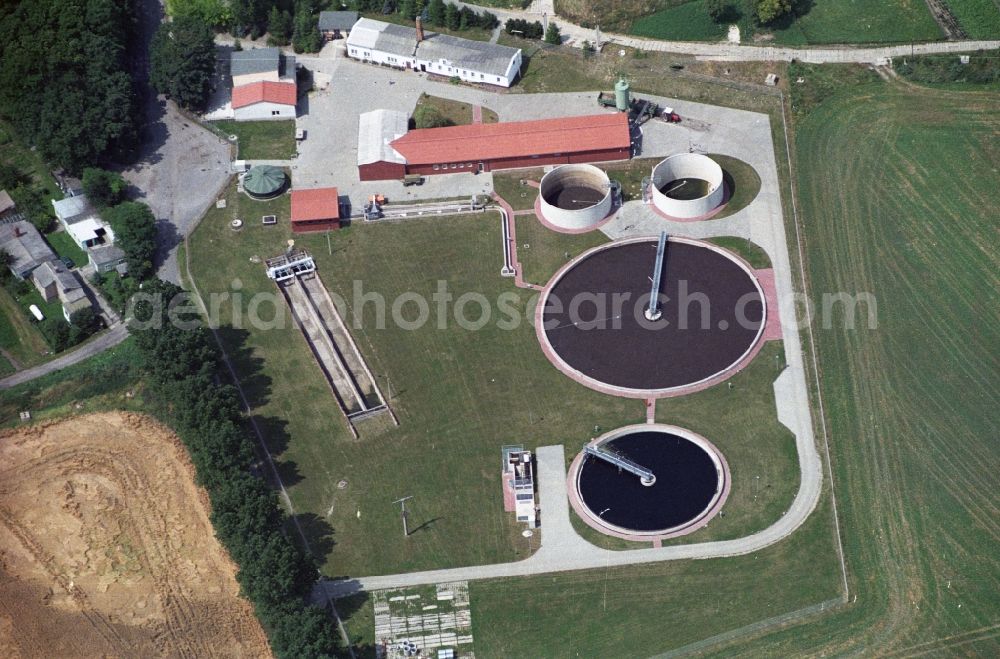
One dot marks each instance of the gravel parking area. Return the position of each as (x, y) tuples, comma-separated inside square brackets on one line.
[(182, 169), (328, 155)]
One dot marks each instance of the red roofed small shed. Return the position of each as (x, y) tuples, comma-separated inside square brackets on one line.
[(317, 209)]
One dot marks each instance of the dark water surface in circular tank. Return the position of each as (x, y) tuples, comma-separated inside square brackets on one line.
[(575, 197), (686, 188), (686, 481)]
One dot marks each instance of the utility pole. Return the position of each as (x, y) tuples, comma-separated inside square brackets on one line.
[(402, 505)]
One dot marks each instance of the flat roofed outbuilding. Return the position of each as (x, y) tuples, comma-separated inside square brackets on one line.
[(336, 24), (255, 60)]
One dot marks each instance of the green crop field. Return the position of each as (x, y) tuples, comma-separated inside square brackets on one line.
[(979, 18), (897, 190), (826, 21)]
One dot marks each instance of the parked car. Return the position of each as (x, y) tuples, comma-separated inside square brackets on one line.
[(68, 262)]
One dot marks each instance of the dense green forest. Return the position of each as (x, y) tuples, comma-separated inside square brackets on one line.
[(64, 78)]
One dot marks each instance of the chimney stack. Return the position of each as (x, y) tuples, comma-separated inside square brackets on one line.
[(420, 30)]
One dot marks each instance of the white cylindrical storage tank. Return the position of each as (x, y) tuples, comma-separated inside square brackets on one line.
[(687, 185), (575, 197)]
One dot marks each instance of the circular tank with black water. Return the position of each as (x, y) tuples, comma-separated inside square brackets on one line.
[(687, 185), (689, 486), (575, 197)]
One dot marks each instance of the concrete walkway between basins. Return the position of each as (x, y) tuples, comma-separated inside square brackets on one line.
[(762, 222)]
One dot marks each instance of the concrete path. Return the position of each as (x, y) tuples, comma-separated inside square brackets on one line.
[(575, 35), (747, 136), (108, 339)]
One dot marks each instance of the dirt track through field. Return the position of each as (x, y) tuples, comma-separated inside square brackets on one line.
[(107, 548)]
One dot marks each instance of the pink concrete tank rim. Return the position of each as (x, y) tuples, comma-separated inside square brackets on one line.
[(707, 514), (666, 392)]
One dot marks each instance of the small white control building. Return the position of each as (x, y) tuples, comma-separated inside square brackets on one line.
[(519, 485)]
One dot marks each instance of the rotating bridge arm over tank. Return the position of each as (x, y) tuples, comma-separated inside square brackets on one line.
[(653, 311), (646, 477)]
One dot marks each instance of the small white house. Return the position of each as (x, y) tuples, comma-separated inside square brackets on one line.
[(264, 101), (82, 223)]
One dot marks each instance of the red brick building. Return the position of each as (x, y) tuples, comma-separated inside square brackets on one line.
[(486, 147), (317, 209)]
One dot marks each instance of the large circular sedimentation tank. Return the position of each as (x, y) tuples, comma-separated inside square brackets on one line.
[(687, 185), (264, 181), (590, 319), (690, 485), (575, 197)]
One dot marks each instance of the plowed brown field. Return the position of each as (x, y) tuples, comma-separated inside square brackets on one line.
[(106, 548)]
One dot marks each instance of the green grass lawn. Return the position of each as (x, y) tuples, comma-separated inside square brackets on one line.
[(979, 18), (451, 388), (542, 251), (748, 251), (912, 405), (508, 185), (643, 610), (861, 21), (63, 244), (262, 140), (826, 22), (457, 112), (18, 333), (685, 22)]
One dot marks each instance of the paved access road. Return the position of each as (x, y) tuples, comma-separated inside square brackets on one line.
[(576, 35), (109, 339)]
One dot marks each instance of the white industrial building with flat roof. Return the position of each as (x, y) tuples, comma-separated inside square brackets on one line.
[(411, 48)]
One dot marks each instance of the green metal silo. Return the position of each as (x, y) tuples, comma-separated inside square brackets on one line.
[(622, 91)]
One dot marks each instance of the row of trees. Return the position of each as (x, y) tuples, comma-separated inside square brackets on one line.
[(65, 82), (533, 30), (285, 21), (523, 28), (449, 15), (181, 367)]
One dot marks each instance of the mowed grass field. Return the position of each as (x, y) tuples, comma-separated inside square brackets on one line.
[(898, 198), (262, 140), (826, 21), (460, 393)]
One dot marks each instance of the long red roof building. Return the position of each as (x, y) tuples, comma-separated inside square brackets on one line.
[(486, 147)]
